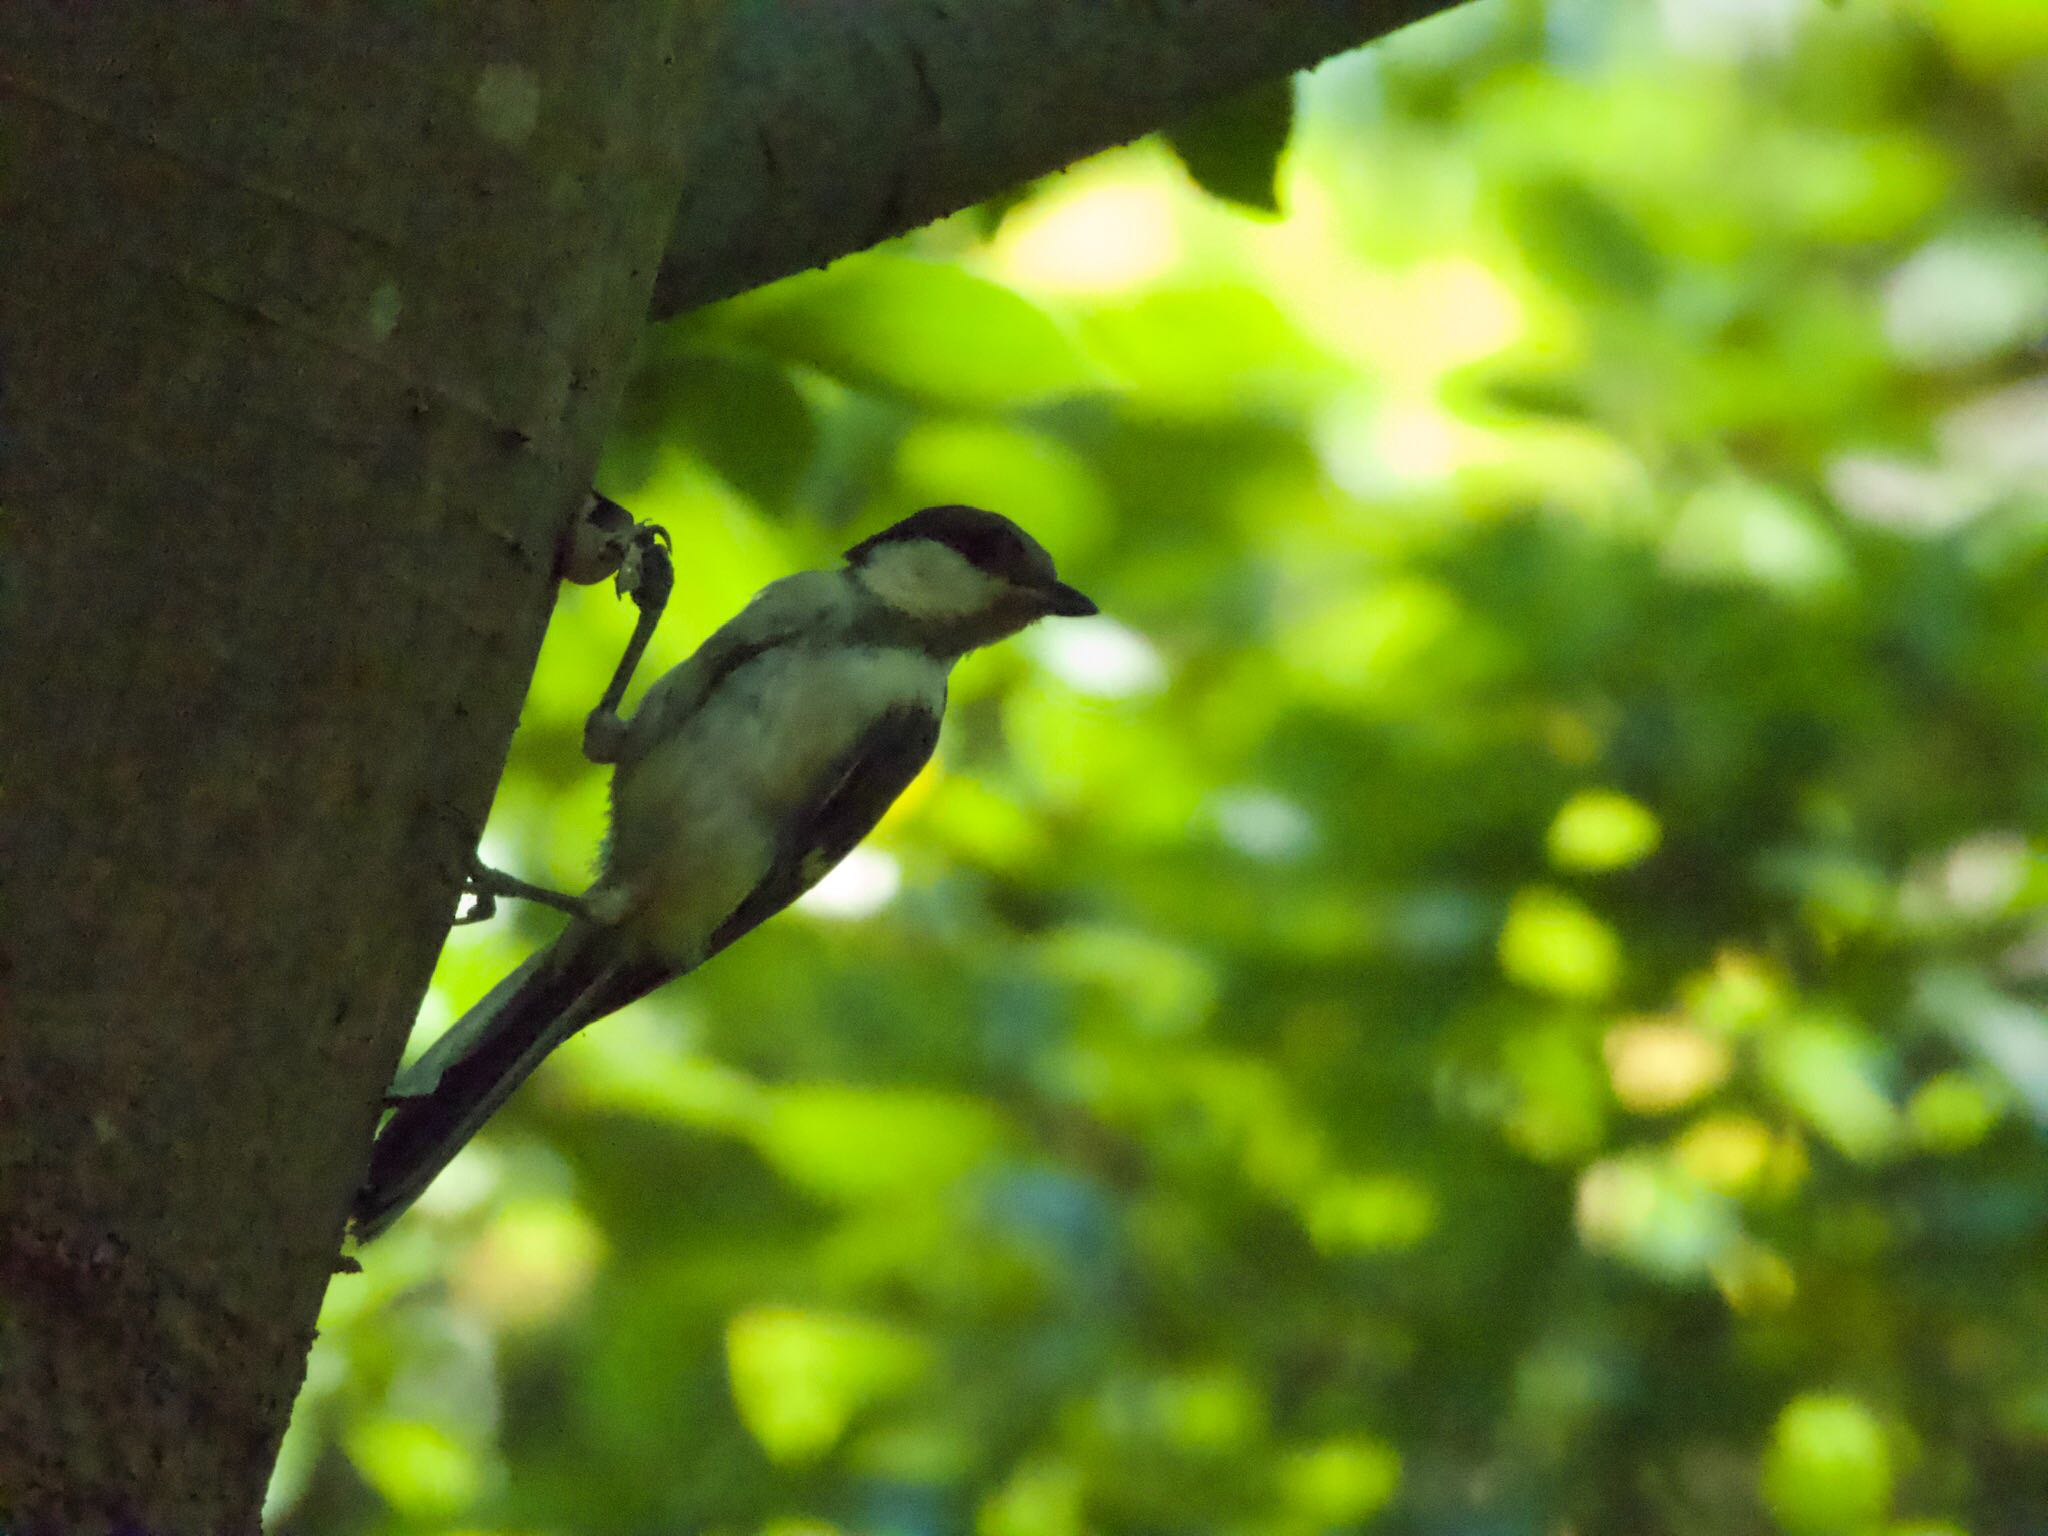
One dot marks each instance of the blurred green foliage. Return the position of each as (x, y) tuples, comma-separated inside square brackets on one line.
[(1500, 991)]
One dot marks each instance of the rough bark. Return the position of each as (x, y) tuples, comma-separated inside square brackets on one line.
[(310, 321), (310, 325), (837, 125)]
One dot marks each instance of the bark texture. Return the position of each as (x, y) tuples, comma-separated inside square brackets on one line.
[(836, 125), (309, 327), (310, 321)]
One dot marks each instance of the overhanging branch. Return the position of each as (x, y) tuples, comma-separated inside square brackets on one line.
[(834, 125)]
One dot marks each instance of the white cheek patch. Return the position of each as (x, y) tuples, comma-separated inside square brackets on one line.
[(928, 580)]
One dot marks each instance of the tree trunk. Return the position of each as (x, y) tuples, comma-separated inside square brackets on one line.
[(310, 325)]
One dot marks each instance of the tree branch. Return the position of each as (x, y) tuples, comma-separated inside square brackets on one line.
[(835, 126)]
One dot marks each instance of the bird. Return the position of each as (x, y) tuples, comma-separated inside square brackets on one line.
[(747, 772)]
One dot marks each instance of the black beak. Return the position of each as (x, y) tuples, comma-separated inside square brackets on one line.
[(1069, 602)]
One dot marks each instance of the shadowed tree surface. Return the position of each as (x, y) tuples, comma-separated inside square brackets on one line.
[(1499, 989), (307, 327)]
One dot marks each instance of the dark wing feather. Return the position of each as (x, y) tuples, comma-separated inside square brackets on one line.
[(575, 981), (851, 798)]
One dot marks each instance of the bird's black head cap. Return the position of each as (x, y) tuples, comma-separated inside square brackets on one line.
[(986, 540)]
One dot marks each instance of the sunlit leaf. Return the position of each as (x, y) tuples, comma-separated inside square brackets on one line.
[(1970, 295), (1828, 1471), (2009, 1035), (922, 331), (1211, 349), (1657, 1065), (1742, 532), (1726, 1152), (419, 1468), (1040, 1499), (1952, 1112), (1641, 1209), (799, 1377), (1558, 1109), (1602, 829), (1552, 943), (1368, 1214), (1833, 1075), (849, 1143), (1340, 1481), (533, 1261)]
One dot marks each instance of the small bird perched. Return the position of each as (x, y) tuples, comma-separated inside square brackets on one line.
[(748, 772)]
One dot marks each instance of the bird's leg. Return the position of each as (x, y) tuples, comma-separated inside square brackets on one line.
[(485, 885), (647, 576)]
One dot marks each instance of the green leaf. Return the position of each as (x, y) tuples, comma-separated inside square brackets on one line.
[(1341, 1481), (1551, 943), (917, 330), (1745, 532), (799, 1377), (1832, 1073), (1232, 149), (1583, 242), (1952, 1112), (1600, 829), (855, 1144), (1828, 1471), (420, 1468), (1638, 1208), (741, 416)]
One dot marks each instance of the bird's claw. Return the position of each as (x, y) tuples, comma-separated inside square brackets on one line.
[(483, 906), (464, 868), (646, 573), (475, 883), (607, 540)]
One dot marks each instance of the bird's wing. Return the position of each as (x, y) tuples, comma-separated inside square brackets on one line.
[(457, 1085), (849, 799), (780, 612)]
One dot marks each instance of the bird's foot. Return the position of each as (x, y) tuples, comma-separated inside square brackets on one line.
[(604, 735), (484, 885), (646, 572)]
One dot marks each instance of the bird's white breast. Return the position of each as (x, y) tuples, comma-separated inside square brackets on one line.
[(697, 821)]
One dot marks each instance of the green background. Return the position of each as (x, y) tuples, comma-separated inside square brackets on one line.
[(1500, 989)]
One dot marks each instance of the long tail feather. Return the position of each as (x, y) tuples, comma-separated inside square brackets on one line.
[(418, 1079), (447, 1095)]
